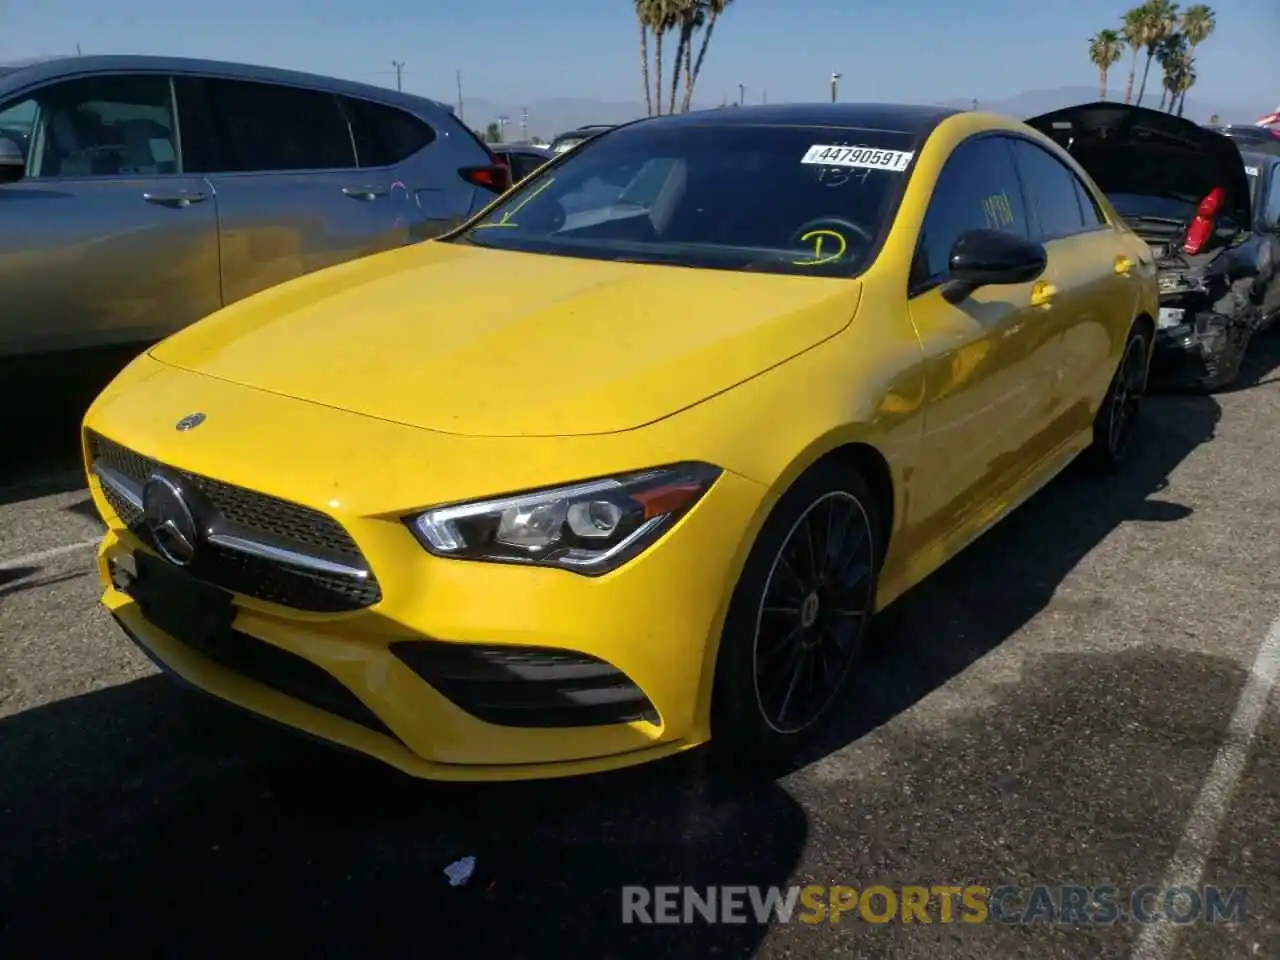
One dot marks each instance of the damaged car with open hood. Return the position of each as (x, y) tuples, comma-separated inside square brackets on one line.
[(1184, 189)]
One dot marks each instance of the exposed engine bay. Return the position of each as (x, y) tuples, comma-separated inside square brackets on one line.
[(1183, 189)]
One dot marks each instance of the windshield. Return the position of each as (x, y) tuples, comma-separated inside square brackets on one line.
[(779, 199), (1161, 208), (1138, 206)]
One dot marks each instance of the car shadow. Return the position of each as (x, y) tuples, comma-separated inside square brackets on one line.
[(25, 581), (43, 409), (143, 820), (140, 818)]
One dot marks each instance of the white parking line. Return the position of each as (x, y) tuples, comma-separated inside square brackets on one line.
[(1157, 940), (30, 559)]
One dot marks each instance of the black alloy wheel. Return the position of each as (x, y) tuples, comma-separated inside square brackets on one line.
[(1126, 397), (813, 612)]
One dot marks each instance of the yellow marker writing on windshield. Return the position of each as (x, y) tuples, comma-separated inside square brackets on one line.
[(819, 258), (505, 220)]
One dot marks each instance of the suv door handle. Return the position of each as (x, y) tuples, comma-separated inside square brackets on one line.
[(1124, 266), (176, 198), (364, 192)]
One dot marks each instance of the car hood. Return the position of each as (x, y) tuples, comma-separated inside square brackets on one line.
[(1134, 150), (492, 343)]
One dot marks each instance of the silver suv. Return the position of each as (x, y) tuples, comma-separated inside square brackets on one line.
[(139, 194)]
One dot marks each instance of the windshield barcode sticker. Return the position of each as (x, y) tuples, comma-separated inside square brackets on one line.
[(868, 158)]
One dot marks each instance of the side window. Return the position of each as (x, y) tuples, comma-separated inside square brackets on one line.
[(523, 164), (1093, 217), (266, 126), (385, 135), (17, 121), (1052, 191), (106, 126), (977, 189)]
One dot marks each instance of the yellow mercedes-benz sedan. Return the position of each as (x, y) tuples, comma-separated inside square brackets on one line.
[(626, 463)]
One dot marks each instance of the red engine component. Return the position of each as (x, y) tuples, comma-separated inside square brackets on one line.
[(1201, 228)]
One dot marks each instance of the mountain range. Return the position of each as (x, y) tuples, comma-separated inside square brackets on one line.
[(546, 118)]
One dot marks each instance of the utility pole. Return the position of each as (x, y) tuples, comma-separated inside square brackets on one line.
[(765, 96), (524, 124), (835, 80), (459, 94), (78, 53), (399, 65), (742, 94)]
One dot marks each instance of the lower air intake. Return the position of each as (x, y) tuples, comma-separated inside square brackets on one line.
[(515, 686)]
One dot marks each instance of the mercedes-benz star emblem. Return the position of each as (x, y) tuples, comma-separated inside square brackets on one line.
[(169, 520), (190, 421)]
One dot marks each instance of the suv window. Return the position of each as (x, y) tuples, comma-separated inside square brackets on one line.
[(977, 189), (523, 164), (101, 127), (385, 135), (16, 122), (1053, 191), (266, 126)]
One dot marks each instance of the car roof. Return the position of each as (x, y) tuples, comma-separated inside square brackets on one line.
[(897, 117), (1254, 158), (56, 68)]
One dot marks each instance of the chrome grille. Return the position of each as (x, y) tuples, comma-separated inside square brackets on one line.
[(263, 547)]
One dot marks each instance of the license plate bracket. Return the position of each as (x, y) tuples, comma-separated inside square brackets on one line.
[(174, 601)]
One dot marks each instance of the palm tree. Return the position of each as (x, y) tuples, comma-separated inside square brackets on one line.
[(713, 10), (644, 11), (1179, 76), (1105, 48), (1134, 31), (664, 19), (689, 15), (1171, 54), (1197, 25), (1162, 19)]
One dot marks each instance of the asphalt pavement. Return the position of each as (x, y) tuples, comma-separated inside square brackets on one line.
[(1083, 698)]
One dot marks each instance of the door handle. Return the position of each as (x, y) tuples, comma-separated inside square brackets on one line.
[(365, 192), (1124, 266), (177, 198), (1042, 294)]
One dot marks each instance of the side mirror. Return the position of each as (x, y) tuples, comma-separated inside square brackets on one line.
[(13, 163), (980, 258)]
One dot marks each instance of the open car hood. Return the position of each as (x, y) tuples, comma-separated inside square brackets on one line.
[(1135, 150)]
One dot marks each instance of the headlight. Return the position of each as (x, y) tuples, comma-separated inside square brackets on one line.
[(590, 527)]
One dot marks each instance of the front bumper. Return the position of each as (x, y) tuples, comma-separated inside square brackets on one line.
[(455, 671)]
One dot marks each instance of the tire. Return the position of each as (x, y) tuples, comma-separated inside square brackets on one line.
[(1118, 417), (830, 619)]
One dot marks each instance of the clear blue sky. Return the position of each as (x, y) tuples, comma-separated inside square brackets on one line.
[(514, 50)]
